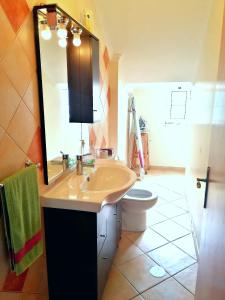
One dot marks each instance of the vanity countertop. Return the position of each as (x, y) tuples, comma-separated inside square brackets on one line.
[(108, 183)]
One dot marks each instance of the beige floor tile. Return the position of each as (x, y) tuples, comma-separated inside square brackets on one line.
[(26, 296), (175, 184), (168, 194), (187, 245), (117, 287), (188, 277), (9, 296), (34, 277), (147, 240), (170, 210), (17, 67), (170, 230), (171, 258), (153, 217), (42, 297), (138, 298), (22, 127), (184, 220), (137, 272), (4, 264), (126, 251), (10, 100), (182, 203), (44, 281), (168, 290)]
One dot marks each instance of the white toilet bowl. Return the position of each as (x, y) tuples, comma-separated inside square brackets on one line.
[(134, 208)]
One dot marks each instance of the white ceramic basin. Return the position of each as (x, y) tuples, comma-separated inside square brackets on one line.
[(109, 182), (107, 178)]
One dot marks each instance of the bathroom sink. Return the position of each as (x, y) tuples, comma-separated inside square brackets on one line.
[(108, 183), (108, 178)]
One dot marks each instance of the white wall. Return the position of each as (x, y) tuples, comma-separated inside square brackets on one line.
[(167, 142), (122, 121)]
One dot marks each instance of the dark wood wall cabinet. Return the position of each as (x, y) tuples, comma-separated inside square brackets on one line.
[(80, 247), (83, 79)]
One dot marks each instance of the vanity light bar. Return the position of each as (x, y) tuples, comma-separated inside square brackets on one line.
[(54, 20)]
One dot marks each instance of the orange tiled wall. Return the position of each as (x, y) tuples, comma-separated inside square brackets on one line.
[(98, 132), (20, 127)]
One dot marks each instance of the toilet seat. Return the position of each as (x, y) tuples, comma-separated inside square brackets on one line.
[(138, 194), (135, 204)]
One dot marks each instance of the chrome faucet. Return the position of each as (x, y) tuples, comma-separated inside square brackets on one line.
[(79, 166), (82, 163)]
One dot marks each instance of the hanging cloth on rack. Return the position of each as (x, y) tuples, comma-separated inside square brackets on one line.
[(22, 218), (134, 135)]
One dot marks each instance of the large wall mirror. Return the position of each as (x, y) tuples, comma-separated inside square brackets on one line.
[(62, 45)]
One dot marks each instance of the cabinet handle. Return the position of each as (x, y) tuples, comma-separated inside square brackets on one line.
[(102, 235), (105, 257)]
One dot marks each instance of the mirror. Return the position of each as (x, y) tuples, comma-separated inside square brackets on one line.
[(61, 140)]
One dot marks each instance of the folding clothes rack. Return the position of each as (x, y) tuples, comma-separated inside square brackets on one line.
[(133, 128)]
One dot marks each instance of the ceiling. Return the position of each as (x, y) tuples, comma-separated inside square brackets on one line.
[(159, 40)]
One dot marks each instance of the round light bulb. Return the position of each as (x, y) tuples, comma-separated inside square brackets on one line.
[(62, 33), (62, 43), (46, 33), (76, 40)]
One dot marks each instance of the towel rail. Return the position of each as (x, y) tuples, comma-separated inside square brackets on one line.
[(1, 198), (29, 163)]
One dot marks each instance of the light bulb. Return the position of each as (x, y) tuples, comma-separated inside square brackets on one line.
[(62, 43), (76, 39), (61, 28), (46, 33), (62, 32)]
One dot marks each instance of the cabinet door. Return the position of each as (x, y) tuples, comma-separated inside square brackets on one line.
[(118, 221), (83, 79), (107, 253), (97, 104)]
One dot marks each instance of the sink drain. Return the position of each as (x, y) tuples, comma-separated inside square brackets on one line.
[(157, 271)]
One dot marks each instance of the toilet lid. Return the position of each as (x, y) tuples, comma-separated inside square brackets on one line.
[(139, 193)]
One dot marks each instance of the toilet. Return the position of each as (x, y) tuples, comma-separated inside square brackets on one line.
[(134, 208)]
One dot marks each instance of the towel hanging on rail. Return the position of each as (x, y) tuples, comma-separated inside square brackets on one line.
[(22, 218)]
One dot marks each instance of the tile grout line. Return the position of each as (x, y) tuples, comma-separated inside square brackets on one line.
[(168, 271), (195, 258), (146, 255), (139, 293), (126, 279), (181, 283), (167, 238)]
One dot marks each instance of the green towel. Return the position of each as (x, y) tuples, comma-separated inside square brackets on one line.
[(22, 217)]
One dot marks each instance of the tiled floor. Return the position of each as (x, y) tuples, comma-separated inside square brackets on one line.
[(167, 242)]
